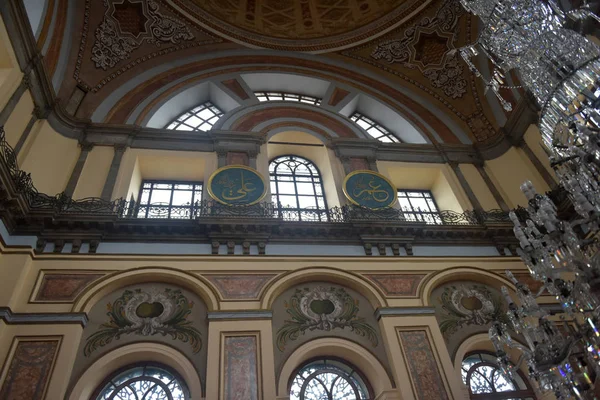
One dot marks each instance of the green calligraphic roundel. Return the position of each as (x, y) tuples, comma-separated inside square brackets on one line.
[(237, 185), (369, 189)]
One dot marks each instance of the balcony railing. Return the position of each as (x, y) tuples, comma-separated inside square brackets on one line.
[(62, 204)]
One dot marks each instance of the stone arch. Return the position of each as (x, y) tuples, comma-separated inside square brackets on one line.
[(347, 350), (481, 343), (118, 104), (196, 284), (132, 353), (461, 273), (256, 117), (354, 281)]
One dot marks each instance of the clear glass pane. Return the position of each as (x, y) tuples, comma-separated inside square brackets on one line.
[(181, 197), (193, 121), (307, 202), (286, 187), (145, 196), (288, 201), (161, 196), (305, 188), (206, 114)]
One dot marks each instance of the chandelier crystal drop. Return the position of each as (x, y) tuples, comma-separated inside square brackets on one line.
[(561, 69)]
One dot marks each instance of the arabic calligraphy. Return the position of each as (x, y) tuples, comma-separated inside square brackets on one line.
[(380, 196), (369, 189), (236, 186)]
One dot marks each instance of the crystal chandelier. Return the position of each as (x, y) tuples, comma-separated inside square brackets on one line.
[(561, 69)]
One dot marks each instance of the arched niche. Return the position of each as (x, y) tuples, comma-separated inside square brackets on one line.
[(494, 279), (323, 274), (196, 284), (153, 312), (85, 383), (467, 301), (323, 308), (375, 373)]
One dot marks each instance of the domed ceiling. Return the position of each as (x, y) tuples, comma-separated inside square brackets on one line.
[(300, 25)]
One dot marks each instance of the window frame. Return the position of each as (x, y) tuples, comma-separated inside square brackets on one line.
[(527, 393), (150, 364), (436, 216), (288, 96), (385, 132), (194, 112), (353, 370), (322, 214), (191, 207)]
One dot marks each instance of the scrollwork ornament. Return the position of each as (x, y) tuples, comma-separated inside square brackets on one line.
[(113, 45), (323, 309), (147, 313)]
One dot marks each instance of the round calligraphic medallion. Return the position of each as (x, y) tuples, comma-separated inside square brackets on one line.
[(237, 185), (369, 189)]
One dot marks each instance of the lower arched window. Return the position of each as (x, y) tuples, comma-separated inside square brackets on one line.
[(328, 379), (143, 382), (485, 380)]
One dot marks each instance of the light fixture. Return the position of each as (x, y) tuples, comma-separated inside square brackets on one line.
[(561, 69)]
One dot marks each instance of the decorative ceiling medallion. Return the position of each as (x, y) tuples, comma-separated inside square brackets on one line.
[(237, 185), (299, 25), (369, 189), (129, 23), (427, 46)]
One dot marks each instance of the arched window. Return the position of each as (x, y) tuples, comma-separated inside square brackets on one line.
[(281, 96), (148, 382), (329, 379), (297, 189), (200, 118), (374, 129), (485, 380)]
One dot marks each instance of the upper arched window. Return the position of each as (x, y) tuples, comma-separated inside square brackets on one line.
[(374, 129), (200, 118), (281, 96), (485, 380), (149, 381), (328, 379), (297, 189)]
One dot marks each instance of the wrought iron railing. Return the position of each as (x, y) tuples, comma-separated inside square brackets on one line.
[(61, 204)]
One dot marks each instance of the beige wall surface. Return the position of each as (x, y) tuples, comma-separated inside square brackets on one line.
[(94, 173), (479, 187), (509, 171), (230, 284), (50, 158)]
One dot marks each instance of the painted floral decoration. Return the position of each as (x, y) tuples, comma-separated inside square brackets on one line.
[(147, 313), (469, 305), (325, 310)]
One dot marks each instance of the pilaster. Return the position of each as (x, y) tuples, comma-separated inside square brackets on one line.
[(111, 178)]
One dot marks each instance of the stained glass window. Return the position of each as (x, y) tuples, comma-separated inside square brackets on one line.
[(419, 205), (328, 379), (148, 382), (280, 96), (297, 189), (374, 129), (168, 199), (200, 118), (485, 380)]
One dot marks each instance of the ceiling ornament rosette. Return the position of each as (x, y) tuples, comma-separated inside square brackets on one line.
[(299, 25), (420, 54), (129, 23)]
